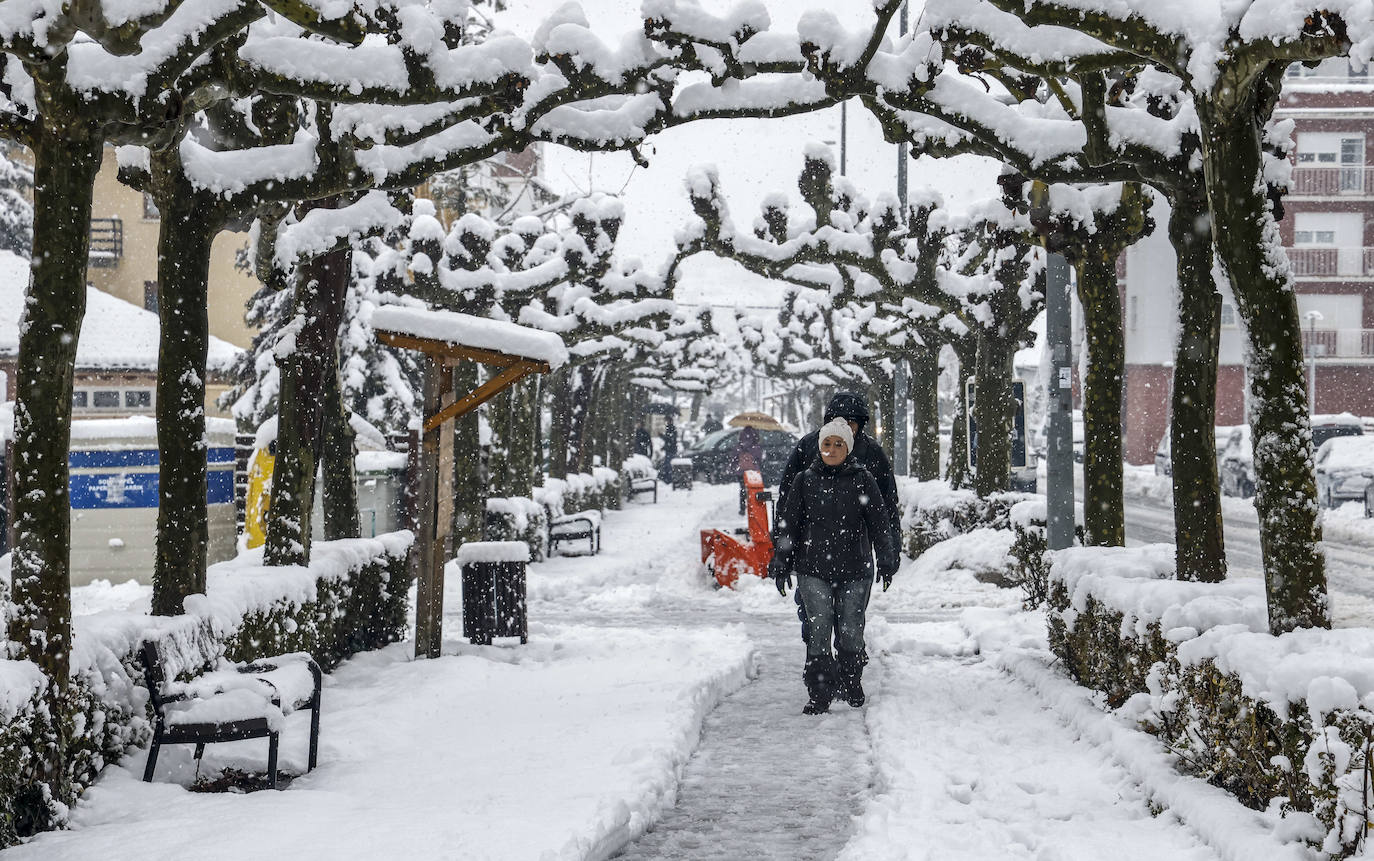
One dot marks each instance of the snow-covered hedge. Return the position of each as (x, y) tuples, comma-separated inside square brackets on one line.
[(932, 512), (352, 597), (517, 518), (1284, 721), (1030, 549)]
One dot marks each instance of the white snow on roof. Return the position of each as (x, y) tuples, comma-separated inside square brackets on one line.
[(115, 333), (470, 331)]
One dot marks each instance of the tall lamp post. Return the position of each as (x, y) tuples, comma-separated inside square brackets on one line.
[(1313, 318), (901, 439)]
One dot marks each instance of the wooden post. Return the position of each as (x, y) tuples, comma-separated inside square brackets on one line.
[(433, 510)]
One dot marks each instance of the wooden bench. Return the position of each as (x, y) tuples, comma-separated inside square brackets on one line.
[(579, 526), (641, 486), (233, 703)]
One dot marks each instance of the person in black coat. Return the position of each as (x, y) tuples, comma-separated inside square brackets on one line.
[(669, 451), (828, 528), (866, 451)]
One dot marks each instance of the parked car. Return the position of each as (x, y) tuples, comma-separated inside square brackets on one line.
[(1237, 467), (1324, 427), (713, 456), (1343, 465), (1164, 456)]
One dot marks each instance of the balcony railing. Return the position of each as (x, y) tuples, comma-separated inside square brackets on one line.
[(1311, 261), (1335, 181), (107, 242), (1338, 343)]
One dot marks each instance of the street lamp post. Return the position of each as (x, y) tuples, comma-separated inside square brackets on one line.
[(1313, 318)]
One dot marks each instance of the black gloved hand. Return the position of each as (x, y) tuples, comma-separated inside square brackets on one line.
[(782, 578), (885, 577)]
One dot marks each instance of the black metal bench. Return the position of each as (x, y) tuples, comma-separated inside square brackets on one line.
[(241, 702), (642, 486), (578, 526)]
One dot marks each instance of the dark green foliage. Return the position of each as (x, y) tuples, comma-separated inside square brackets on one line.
[(103, 712)]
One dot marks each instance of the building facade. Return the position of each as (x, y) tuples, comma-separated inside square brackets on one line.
[(1328, 232)]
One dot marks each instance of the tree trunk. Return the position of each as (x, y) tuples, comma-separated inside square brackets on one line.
[(1247, 243), (469, 492), (1104, 515), (186, 232), (957, 471), (559, 408), (524, 434), (340, 490), (65, 165), (882, 394), (300, 411), (499, 421), (993, 410), (1200, 543), (923, 388)]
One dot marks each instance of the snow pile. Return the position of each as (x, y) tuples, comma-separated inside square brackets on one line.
[(468, 331), (1135, 582), (491, 551)]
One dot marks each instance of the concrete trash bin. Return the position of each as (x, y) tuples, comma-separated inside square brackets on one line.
[(494, 590), (682, 473)]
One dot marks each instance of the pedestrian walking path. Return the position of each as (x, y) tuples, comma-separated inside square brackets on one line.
[(653, 717), (767, 782)]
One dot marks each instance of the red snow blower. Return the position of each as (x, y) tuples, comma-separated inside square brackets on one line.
[(746, 551)]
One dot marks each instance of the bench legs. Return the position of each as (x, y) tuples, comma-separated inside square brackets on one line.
[(152, 761), (314, 734), (272, 760)]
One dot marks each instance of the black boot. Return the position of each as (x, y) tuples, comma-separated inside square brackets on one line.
[(819, 676), (850, 674)]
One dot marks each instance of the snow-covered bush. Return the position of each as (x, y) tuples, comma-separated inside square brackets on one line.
[(932, 512), (1031, 547), (352, 597), (1284, 721), (516, 518)]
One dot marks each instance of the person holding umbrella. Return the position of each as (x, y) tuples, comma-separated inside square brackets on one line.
[(748, 455)]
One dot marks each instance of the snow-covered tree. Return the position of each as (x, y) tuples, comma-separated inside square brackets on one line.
[(16, 212)]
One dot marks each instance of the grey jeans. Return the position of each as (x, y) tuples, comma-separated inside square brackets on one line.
[(833, 610)]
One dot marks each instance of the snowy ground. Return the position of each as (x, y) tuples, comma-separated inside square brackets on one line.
[(647, 700)]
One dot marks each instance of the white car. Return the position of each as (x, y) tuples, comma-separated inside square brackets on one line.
[(1343, 466)]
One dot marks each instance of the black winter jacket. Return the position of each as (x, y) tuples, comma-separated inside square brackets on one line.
[(867, 453), (831, 521)]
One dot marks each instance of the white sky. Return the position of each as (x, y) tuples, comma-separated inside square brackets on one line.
[(753, 157)]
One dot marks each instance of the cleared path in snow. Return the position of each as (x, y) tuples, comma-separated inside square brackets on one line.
[(767, 782)]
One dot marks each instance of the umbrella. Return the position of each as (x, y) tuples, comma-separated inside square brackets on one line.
[(752, 419)]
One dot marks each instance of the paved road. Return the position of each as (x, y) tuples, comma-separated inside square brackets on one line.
[(1349, 566)]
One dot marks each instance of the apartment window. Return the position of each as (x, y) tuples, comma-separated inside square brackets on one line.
[(138, 399), (80, 399), (1228, 315), (105, 399), (1314, 237), (1132, 314), (150, 212), (150, 296)]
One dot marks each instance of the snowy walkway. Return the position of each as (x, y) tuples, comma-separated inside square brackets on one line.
[(655, 717)]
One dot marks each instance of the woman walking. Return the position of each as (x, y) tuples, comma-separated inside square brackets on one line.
[(832, 521)]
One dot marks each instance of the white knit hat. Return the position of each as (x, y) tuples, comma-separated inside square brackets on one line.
[(837, 427)]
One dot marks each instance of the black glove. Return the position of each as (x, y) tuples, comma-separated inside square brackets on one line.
[(885, 577), (782, 578)]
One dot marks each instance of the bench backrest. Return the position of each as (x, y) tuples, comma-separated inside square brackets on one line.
[(152, 672)]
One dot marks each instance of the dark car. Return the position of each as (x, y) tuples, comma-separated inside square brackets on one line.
[(713, 456)]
